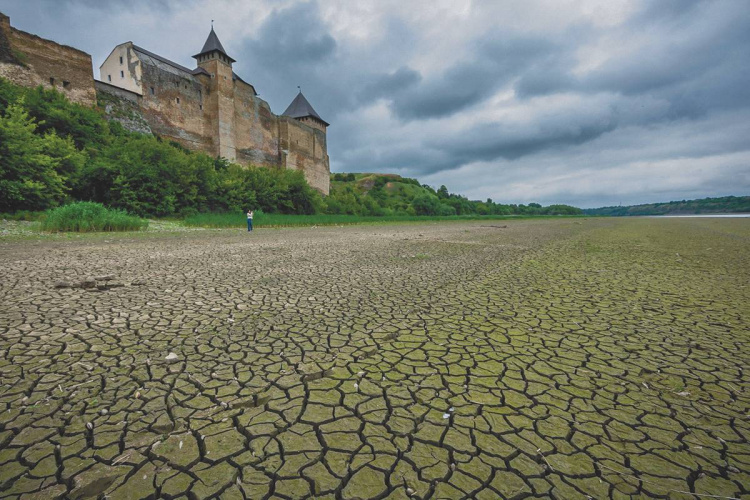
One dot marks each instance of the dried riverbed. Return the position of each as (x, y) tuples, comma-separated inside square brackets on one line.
[(600, 358)]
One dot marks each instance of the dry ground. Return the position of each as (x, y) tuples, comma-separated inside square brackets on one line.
[(600, 358)]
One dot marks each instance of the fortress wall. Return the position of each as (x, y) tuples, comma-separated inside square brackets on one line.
[(256, 129), (122, 106), (183, 121), (304, 148), (30, 61)]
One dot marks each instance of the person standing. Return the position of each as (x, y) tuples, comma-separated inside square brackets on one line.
[(249, 220)]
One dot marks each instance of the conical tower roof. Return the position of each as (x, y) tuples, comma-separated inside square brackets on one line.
[(213, 44), (301, 108)]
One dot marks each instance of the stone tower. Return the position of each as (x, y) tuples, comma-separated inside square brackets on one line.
[(211, 109), (219, 103), (301, 109)]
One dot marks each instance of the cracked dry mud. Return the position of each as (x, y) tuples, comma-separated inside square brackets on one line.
[(557, 358)]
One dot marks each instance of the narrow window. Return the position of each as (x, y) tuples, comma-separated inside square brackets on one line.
[(120, 59), (152, 90), (66, 84), (178, 100), (200, 106), (51, 81), (109, 78), (122, 74)]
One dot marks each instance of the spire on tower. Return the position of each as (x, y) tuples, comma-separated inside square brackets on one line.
[(301, 108), (213, 45)]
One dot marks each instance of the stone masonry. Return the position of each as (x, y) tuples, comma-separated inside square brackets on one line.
[(209, 108), (28, 60)]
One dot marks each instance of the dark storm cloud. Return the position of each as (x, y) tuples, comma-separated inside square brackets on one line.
[(389, 84), (487, 143), (706, 39), (468, 83), (294, 47), (293, 37)]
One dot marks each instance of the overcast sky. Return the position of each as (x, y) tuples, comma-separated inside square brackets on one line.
[(589, 103)]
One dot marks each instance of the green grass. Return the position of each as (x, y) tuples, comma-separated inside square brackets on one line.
[(24, 215), (86, 216), (228, 220)]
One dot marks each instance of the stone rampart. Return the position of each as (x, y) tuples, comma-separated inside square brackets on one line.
[(30, 61)]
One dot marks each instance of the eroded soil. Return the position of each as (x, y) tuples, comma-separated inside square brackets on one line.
[(556, 358)]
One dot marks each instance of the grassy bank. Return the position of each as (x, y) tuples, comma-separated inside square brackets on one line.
[(86, 216), (225, 220)]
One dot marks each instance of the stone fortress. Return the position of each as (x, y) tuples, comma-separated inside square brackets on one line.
[(209, 108)]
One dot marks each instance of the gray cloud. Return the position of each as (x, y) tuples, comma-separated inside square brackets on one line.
[(468, 83), (389, 84), (293, 37)]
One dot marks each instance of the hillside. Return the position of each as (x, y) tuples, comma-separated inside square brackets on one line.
[(724, 205), (53, 152), (391, 194)]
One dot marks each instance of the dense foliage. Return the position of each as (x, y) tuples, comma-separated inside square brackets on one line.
[(375, 194), (87, 216), (53, 151), (725, 205)]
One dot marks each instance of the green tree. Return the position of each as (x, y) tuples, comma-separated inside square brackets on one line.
[(426, 204), (33, 168), (54, 112)]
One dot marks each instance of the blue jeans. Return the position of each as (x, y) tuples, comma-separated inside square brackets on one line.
[(249, 224)]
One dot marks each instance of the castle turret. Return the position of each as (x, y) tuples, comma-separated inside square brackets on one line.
[(301, 109), (213, 49), (220, 100)]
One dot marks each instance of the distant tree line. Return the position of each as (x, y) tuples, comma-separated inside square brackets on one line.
[(726, 204), (374, 194)]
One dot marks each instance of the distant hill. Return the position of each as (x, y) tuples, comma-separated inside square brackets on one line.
[(391, 194), (724, 205)]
